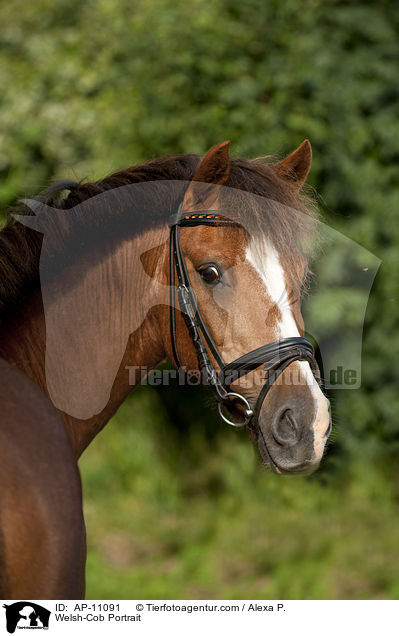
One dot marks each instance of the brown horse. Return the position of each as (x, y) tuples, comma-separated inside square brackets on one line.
[(76, 327), (42, 540)]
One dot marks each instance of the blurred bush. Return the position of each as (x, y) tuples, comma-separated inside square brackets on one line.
[(91, 87)]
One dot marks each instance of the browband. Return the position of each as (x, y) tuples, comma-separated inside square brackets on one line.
[(200, 217)]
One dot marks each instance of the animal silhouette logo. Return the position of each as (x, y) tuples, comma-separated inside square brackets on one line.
[(89, 273), (26, 615)]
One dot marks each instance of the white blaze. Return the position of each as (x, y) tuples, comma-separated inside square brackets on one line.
[(264, 258)]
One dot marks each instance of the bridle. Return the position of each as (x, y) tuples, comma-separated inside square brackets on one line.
[(275, 357)]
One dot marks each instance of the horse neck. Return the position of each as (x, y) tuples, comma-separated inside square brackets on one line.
[(24, 342)]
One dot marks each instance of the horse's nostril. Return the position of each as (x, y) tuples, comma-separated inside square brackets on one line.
[(285, 429)]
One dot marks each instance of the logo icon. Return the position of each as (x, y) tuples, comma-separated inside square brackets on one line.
[(26, 615)]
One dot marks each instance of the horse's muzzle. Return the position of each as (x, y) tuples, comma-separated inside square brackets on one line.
[(292, 436)]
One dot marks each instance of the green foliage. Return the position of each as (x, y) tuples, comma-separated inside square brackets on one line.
[(168, 519), (90, 87)]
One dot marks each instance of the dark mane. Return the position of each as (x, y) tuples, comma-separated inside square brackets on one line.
[(287, 219)]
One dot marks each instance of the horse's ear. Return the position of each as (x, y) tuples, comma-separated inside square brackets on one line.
[(213, 169), (296, 166)]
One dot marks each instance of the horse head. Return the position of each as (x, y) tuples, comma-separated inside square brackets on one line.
[(247, 286)]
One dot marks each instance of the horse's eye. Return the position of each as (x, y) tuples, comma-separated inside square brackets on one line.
[(210, 274)]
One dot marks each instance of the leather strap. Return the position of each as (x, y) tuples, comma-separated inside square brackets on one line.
[(275, 356)]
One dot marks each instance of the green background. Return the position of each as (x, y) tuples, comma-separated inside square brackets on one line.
[(177, 506)]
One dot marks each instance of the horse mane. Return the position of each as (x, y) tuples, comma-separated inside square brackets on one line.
[(289, 219)]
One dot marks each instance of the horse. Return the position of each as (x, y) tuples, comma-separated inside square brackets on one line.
[(207, 272), (42, 529)]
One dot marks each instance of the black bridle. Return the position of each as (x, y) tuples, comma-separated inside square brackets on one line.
[(275, 356)]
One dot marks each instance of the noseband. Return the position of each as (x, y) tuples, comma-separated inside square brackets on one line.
[(275, 357)]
